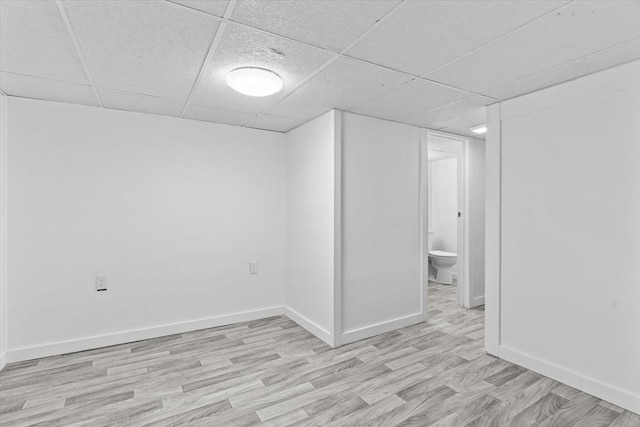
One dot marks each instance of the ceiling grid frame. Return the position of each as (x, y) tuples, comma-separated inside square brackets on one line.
[(602, 56), (76, 45), (214, 44), (472, 93), (561, 65), (334, 59)]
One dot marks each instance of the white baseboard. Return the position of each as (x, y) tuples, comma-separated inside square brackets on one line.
[(310, 326), (601, 390), (89, 343), (477, 301), (380, 328)]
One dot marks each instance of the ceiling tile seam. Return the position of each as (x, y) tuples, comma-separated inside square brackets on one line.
[(494, 40), (331, 61), (298, 86), (561, 65), (339, 53), (386, 92), (415, 77), (46, 78), (457, 101), (260, 30), (459, 89), (89, 86), (372, 27), (422, 76), (327, 50), (394, 121), (76, 45), (570, 80), (212, 47)]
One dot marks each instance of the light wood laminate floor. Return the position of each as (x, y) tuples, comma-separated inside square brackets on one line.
[(273, 372)]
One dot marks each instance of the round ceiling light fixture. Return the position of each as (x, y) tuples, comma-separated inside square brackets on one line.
[(254, 81)]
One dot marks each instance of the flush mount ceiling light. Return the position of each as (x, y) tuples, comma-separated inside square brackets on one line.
[(479, 128), (254, 81)]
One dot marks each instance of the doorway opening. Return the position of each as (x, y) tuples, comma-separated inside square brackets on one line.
[(445, 215), (445, 219)]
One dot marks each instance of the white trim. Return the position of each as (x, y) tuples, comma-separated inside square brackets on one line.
[(601, 390), (310, 326), (336, 332), (423, 215), (380, 328), (493, 185), (459, 146), (464, 188), (71, 346), (477, 302), (4, 163)]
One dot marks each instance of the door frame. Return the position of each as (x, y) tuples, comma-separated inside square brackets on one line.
[(459, 145)]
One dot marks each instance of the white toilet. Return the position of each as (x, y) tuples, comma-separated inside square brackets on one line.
[(443, 262)]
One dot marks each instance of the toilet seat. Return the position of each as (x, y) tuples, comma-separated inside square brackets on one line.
[(443, 254)]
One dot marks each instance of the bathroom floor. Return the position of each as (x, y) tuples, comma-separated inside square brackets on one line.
[(273, 372)]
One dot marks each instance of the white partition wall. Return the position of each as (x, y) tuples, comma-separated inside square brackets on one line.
[(380, 226), (476, 220), (172, 210), (563, 233), (312, 231), (3, 231)]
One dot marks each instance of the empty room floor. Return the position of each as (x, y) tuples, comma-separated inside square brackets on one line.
[(273, 372)]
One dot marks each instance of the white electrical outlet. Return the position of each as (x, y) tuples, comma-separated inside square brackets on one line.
[(253, 267), (101, 282)]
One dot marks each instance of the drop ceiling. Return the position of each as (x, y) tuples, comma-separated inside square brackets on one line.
[(434, 64)]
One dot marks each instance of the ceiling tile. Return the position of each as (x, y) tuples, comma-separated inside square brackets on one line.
[(217, 115), (275, 123), (34, 41), (213, 7), (469, 111), (416, 97), (572, 32), (50, 90), (141, 103), (331, 24), (149, 47), (245, 47), (344, 84), (617, 55), (423, 35)]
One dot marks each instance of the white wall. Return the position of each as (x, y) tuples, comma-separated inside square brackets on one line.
[(173, 210), (380, 226), (444, 204), (568, 295), (3, 231), (476, 216), (311, 225)]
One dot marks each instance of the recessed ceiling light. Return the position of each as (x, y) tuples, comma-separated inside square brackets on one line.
[(254, 81), (479, 128)]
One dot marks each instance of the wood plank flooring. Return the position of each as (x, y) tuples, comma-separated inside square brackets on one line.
[(272, 372)]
